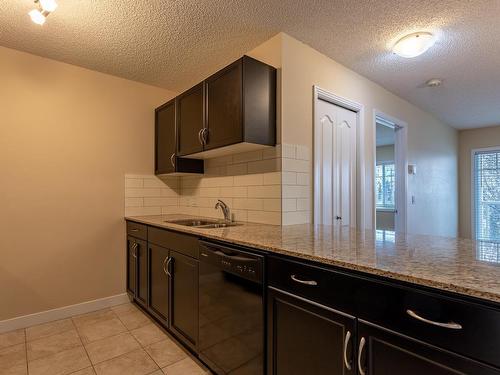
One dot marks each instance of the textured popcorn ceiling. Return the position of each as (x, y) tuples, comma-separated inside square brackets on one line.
[(174, 44)]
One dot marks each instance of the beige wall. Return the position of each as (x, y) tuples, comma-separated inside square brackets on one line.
[(68, 136), (432, 145), (468, 141)]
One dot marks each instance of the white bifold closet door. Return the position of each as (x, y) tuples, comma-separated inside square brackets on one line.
[(334, 165)]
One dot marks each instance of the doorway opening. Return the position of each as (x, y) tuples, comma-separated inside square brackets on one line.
[(390, 174)]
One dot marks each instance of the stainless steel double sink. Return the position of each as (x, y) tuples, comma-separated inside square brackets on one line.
[(203, 223)]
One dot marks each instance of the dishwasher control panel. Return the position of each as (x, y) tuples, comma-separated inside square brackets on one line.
[(238, 262)]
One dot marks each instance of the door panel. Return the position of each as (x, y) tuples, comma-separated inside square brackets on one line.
[(159, 282), (131, 266), (224, 107), (165, 144), (190, 120), (307, 338), (386, 352), (345, 134), (184, 289), (142, 272), (335, 165)]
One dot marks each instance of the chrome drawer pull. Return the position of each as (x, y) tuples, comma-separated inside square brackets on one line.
[(362, 343), (346, 343), (450, 325), (306, 282), (134, 230)]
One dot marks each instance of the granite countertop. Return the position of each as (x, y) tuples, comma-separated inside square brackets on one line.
[(458, 265)]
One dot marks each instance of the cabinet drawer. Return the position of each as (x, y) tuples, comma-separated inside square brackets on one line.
[(318, 284), (464, 327), (137, 230), (411, 311), (182, 243)]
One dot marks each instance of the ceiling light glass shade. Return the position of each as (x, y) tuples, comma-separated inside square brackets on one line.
[(414, 44), (37, 17), (48, 5)]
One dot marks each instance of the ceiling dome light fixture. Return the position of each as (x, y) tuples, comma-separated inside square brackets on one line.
[(44, 8), (434, 82), (413, 45)]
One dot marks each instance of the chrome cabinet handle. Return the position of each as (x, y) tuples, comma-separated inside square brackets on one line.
[(172, 160), (362, 343), (450, 325), (346, 343), (204, 135), (134, 249), (134, 230), (164, 263), (306, 282), (168, 266), (199, 136)]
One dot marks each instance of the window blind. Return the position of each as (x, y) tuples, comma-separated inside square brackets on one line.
[(487, 195)]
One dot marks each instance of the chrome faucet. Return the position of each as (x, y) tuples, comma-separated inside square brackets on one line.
[(225, 210)]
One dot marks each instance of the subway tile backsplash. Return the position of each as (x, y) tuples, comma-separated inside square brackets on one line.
[(270, 186)]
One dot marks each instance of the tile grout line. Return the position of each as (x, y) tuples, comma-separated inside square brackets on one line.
[(167, 335), (83, 345), (26, 349), (140, 345)]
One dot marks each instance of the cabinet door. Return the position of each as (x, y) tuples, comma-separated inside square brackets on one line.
[(141, 294), (384, 352), (224, 107), (184, 297), (308, 338), (190, 120), (165, 144), (131, 266), (159, 282)]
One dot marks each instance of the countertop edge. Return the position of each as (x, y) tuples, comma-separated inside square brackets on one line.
[(480, 296)]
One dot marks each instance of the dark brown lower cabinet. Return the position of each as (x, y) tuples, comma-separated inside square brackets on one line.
[(131, 266), (383, 352), (307, 338), (159, 282), (137, 264), (184, 298)]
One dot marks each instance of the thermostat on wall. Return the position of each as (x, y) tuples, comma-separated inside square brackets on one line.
[(412, 169)]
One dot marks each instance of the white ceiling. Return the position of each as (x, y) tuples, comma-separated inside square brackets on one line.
[(175, 43)]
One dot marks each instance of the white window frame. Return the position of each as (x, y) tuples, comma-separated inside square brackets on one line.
[(473, 185), (386, 208)]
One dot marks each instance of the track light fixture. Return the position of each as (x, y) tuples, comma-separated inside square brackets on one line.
[(42, 10)]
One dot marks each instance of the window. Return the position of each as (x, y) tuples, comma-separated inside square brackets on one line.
[(385, 185), (487, 195)]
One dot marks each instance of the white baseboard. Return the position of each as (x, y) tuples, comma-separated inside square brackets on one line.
[(61, 312)]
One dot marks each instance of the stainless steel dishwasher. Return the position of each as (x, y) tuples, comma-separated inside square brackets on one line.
[(231, 311)]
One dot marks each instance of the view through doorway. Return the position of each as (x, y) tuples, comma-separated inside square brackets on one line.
[(390, 175)]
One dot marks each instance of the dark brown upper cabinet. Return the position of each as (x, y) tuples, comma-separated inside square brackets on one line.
[(224, 107), (190, 120), (166, 159), (233, 110)]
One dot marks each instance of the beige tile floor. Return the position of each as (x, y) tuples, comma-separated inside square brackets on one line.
[(114, 341)]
